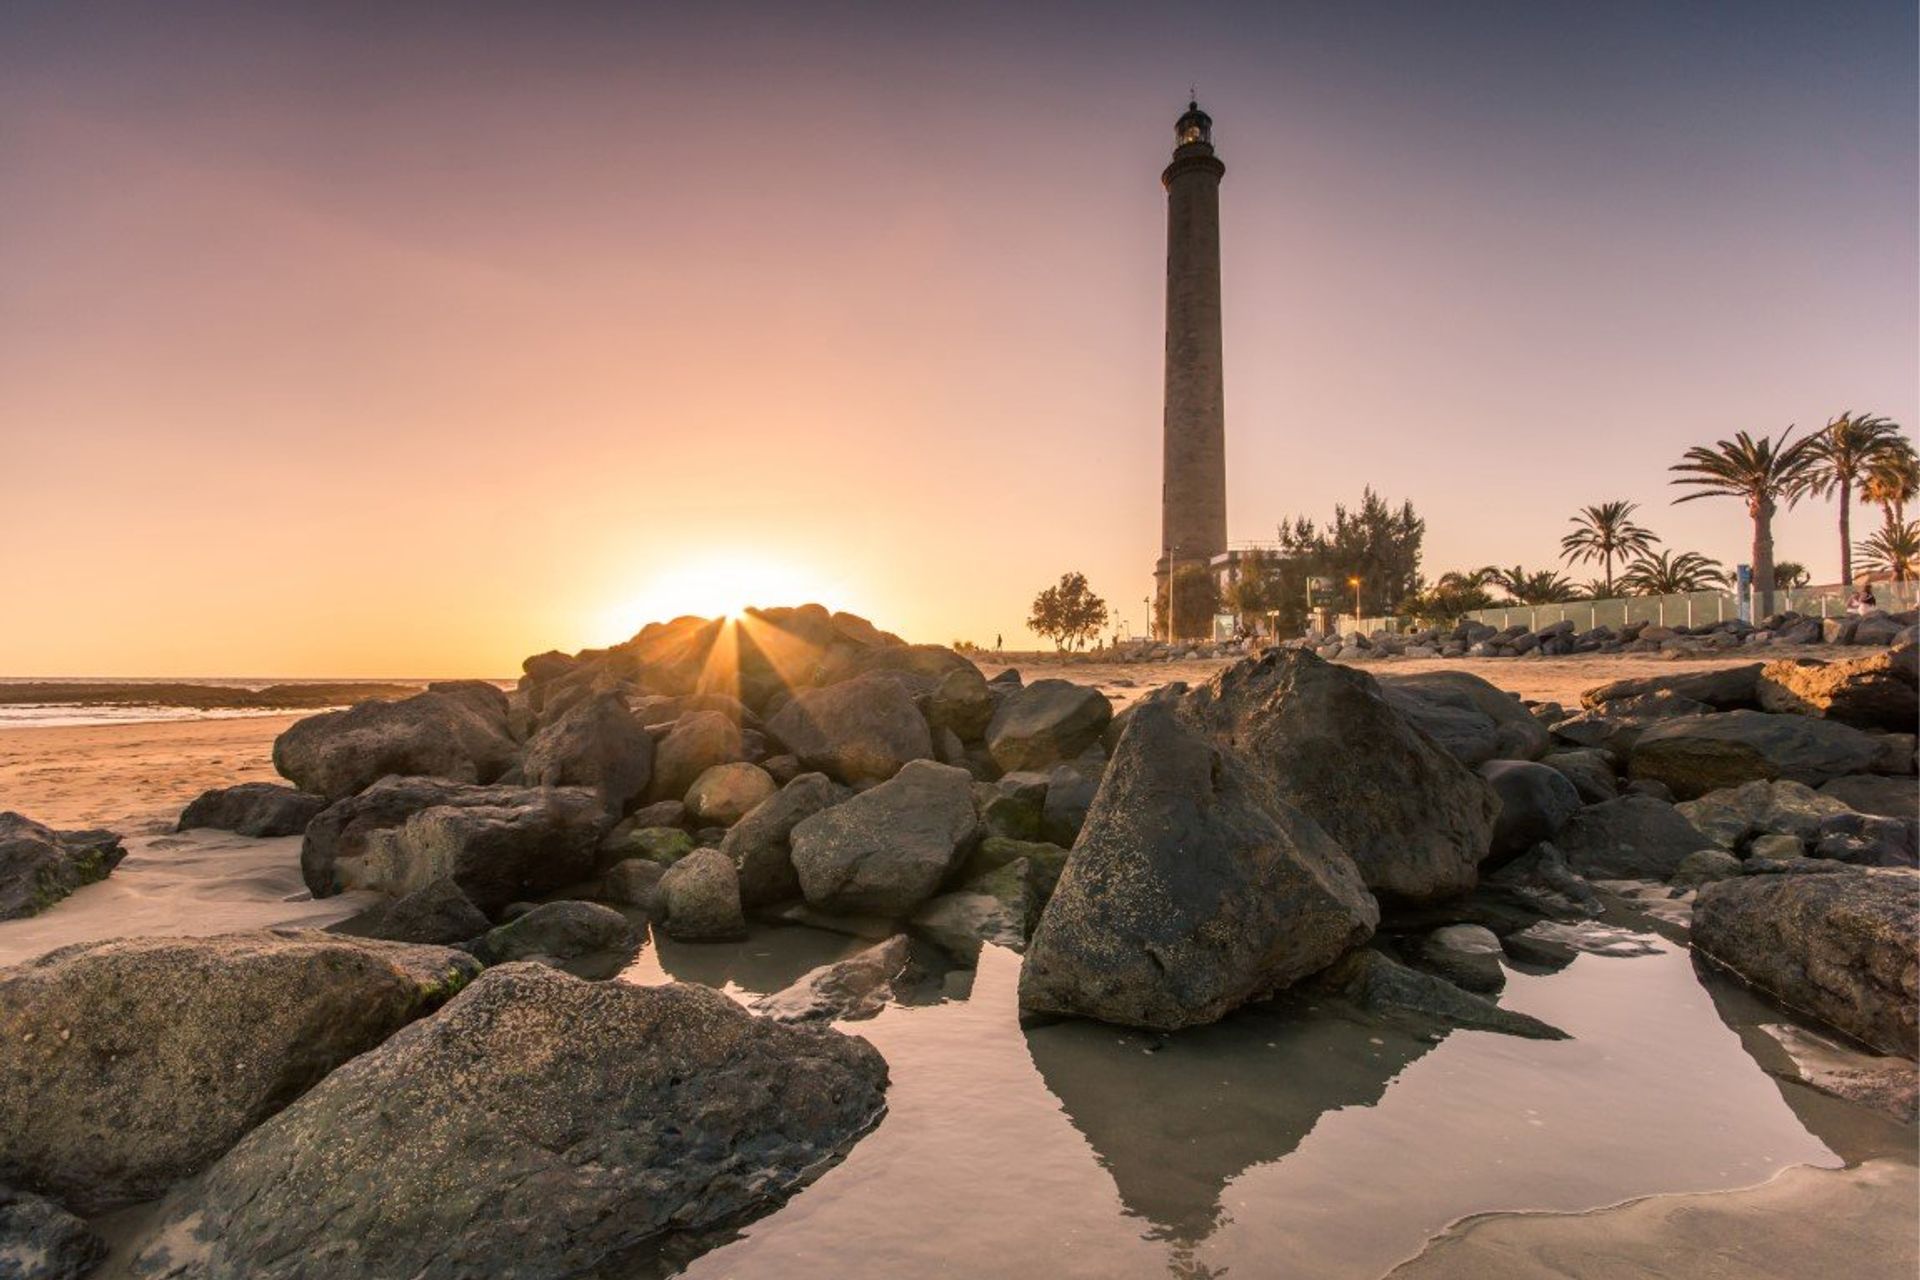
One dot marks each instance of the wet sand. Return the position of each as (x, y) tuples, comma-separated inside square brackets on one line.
[(135, 779)]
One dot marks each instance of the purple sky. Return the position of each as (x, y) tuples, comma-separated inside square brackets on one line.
[(357, 339)]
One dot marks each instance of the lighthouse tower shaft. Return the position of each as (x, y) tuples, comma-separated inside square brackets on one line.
[(1193, 500)]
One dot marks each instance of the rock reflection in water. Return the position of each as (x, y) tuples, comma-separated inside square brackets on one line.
[(1174, 1118), (768, 960)]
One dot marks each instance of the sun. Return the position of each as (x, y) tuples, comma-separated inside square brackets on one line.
[(720, 585)]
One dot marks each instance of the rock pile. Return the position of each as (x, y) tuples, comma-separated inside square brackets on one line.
[(1471, 639)]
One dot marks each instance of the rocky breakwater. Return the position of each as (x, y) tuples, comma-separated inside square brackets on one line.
[(1472, 639)]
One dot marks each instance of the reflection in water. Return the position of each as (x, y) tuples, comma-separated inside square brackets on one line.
[(1286, 1141), (769, 959), (1173, 1118)]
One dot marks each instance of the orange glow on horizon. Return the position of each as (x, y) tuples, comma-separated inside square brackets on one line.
[(721, 585)]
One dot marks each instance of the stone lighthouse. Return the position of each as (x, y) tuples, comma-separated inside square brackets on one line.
[(1193, 491)]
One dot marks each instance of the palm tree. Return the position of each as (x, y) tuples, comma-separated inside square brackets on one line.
[(1843, 455), (1790, 573), (1764, 473), (1667, 573), (1543, 586), (1893, 480), (1895, 550), (1470, 580), (1603, 532)]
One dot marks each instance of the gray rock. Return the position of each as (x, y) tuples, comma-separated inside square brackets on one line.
[(886, 851), (632, 882), (1069, 797), (134, 1063), (1046, 723), (1869, 793), (1874, 692), (259, 809), (962, 703), (861, 730), (1472, 719), (41, 1241), (1535, 802), (499, 845), (1191, 891), (723, 794), (1540, 881), (960, 923), (1733, 816), (456, 735), (1413, 819), (664, 845), (844, 991), (563, 930), (1634, 837), (597, 743), (1379, 984), (1725, 688), (39, 866), (1590, 772), (700, 898), (1704, 866), (438, 914), (1467, 955), (698, 741), (1705, 753), (597, 1124), (1776, 847), (1842, 947), (1868, 841), (760, 843)]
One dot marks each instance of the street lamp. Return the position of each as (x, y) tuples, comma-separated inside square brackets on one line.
[(1355, 584)]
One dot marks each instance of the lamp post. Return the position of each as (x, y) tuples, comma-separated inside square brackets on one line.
[(1355, 584)]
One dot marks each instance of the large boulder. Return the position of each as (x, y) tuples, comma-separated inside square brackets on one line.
[(1192, 890), (1733, 816), (563, 930), (498, 844), (253, 809), (885, 851), (1474, 720), (1588, 769), (540, 1127), (134, 1063), (860, 730), (1870, 793), (438, 914), (1634, 837), (1723, 688), (1875, 692), (41, 1241), (39, 866), (760, 843), (698, 741), (1698, 754), (1415, 821), (1535, 802), (452, 734), (1046, 723), (961, 702), (596, 743), (1842, 947), (699, 898)]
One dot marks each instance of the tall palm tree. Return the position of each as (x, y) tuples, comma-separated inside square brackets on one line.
[(1893, 480), (1667, 573), (1894, 550), (1603, 532), (1763, 473), (1844, 454)]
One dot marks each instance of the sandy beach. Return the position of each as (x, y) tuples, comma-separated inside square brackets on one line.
[(135, 779)]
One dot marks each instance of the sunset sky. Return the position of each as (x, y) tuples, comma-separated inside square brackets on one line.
[(409, 339)]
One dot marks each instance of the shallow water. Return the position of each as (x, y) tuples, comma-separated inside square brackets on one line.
[(1290, 1139)]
